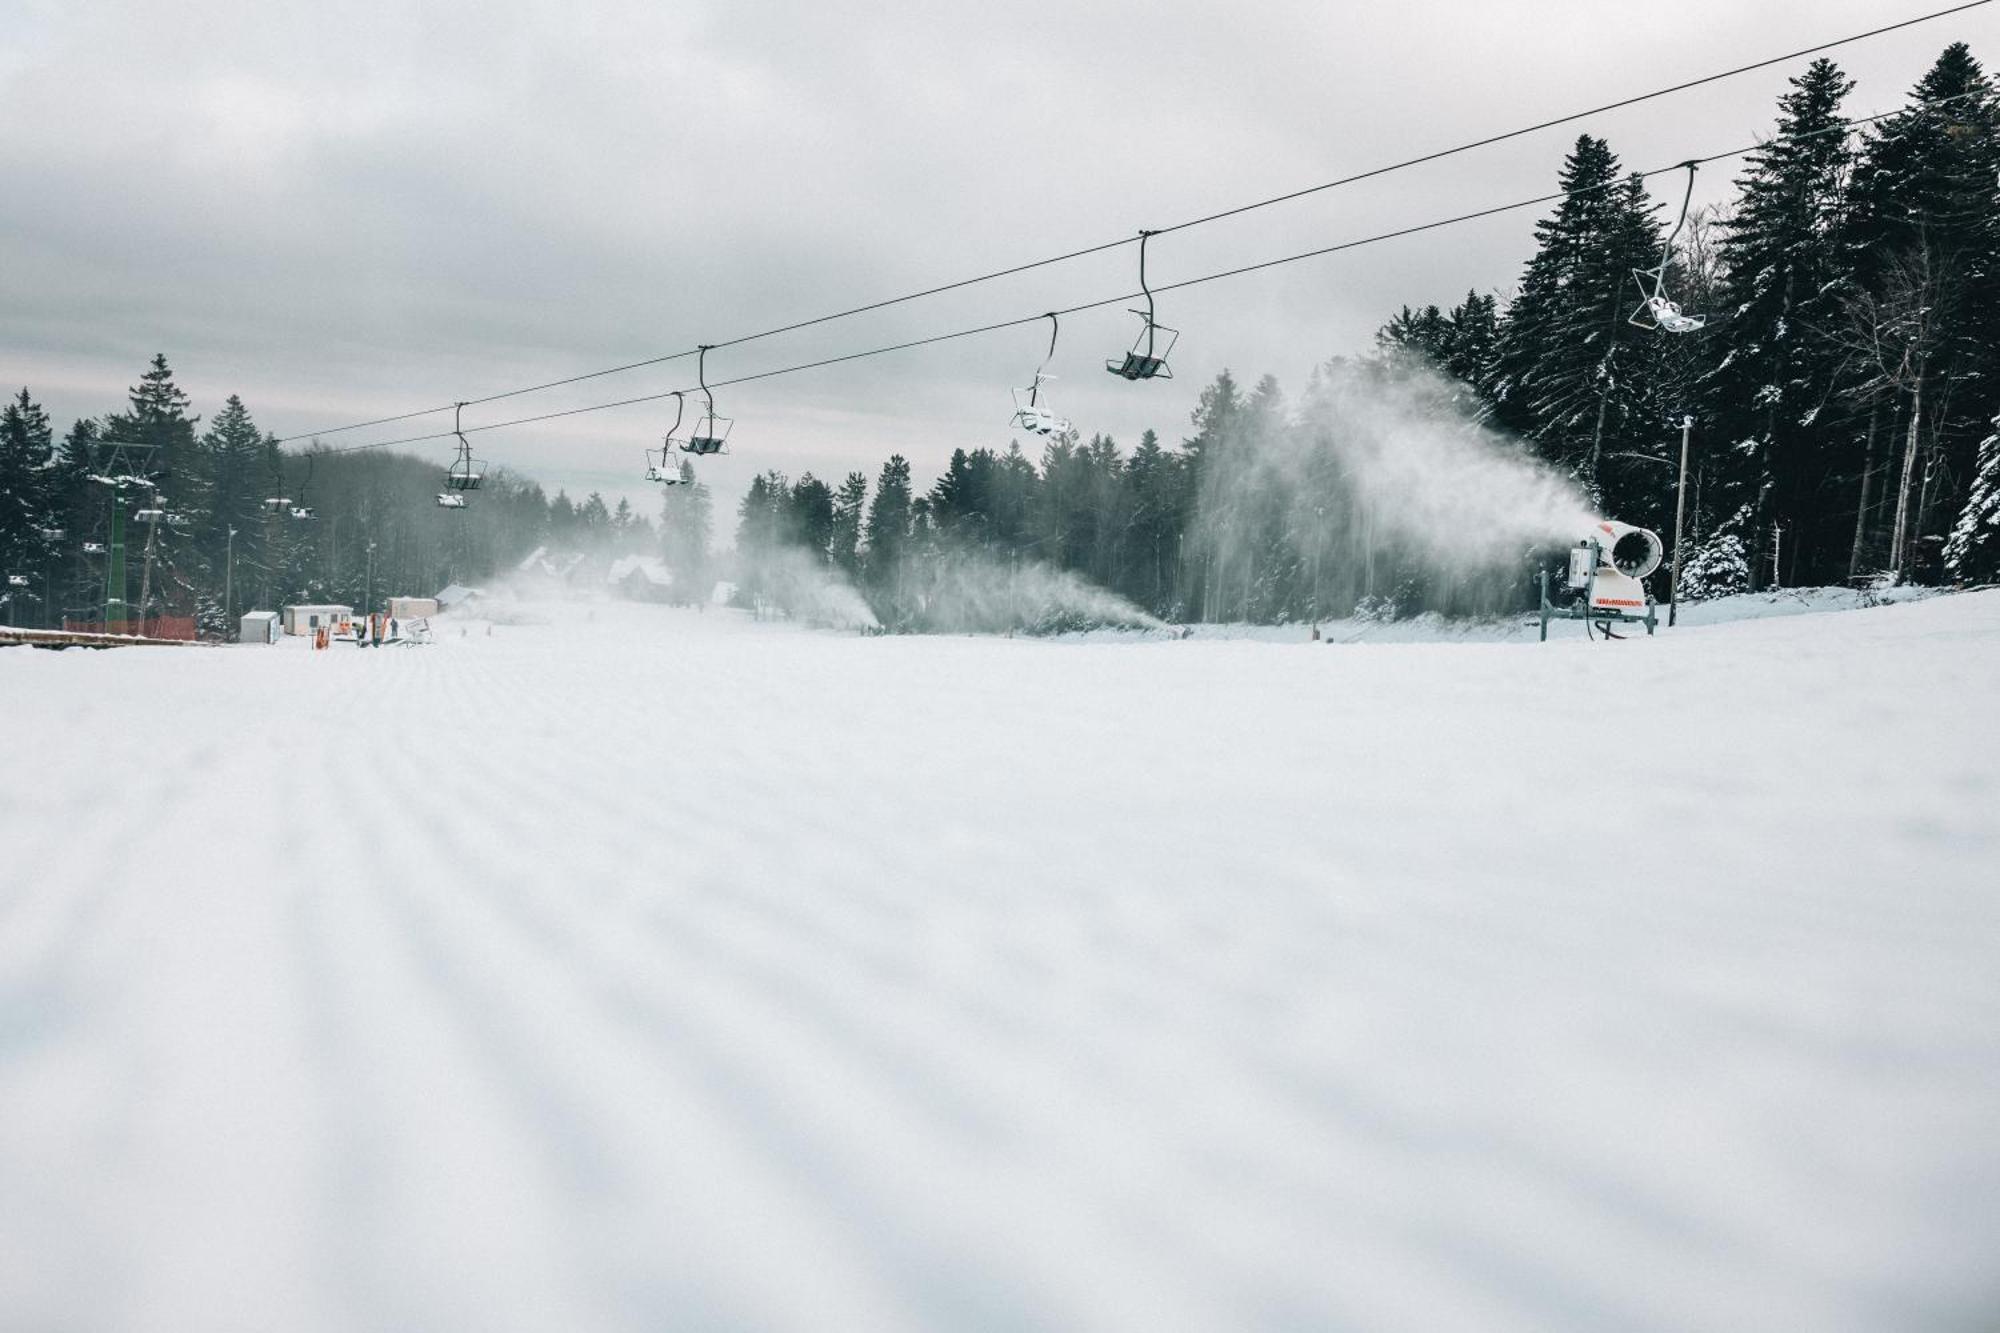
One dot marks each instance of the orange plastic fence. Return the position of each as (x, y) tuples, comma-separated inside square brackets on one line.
[(157, 627)]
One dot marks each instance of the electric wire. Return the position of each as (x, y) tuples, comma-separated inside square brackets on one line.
[(1319, 252), (1085, 251)]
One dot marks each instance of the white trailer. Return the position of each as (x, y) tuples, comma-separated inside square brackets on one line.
[(307, 618), (259, 627)]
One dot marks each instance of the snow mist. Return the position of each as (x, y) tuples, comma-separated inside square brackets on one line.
[(1463, 495), (806, 588), (1382, 490), (969, 592)]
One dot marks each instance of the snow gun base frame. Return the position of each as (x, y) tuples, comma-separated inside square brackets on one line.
[(1602, 617)]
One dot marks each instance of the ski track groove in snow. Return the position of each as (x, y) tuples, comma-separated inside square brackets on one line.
[(638, 968)]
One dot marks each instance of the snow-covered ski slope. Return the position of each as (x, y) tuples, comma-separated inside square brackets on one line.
[(640, 969)]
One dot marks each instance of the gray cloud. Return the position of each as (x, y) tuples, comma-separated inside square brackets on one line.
[(344, 213)]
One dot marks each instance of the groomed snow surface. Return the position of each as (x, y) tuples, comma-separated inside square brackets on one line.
[(634, 968)]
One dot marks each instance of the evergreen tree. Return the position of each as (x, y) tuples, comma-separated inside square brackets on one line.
[(158, 423), (231, 452), (27, 497), (1572, 374), (889, 518), (809, 520), (1153, 488), (1766, 401), (1973, 552), (1923, 239), (844, 541), (686, 523), (1473, 346)]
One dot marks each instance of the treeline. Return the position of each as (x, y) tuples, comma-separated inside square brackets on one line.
[(218, 519), (1843, 398)]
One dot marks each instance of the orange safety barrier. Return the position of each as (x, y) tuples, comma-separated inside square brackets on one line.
[(156, 627)]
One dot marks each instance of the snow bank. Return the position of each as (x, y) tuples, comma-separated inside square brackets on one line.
[(654, 969)]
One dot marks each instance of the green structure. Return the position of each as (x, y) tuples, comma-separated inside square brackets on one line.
[(115, 609)]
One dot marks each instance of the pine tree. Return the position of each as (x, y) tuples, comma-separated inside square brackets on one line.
[(27, 498), (1973, 552), (686, 524), (844, 542), (1766, 401), (1572, 374), (960, 501), (889, 516), (809, 520), (1924, 308), (230, 451), (158, 422)]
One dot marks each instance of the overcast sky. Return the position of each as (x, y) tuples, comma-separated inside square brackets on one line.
[(348, 211)]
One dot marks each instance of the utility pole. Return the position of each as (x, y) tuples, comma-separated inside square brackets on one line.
[(229, 584), (368, 586), (1319, 553), (1680, 518)]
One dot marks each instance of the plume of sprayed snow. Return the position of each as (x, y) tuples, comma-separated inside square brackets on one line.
[(965, 591), (805, 587), (1383, 474), (1462, 494)]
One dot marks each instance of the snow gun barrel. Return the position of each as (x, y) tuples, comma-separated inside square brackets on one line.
[(1633, 552)]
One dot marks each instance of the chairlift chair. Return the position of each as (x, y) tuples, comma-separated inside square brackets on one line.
[(278, 504), (149, 515), (660, 464), (52, 534), (1656, 310), (465, 472), (302, 508), (660, 467), (710, 434), (1031, 414), (446, 500), (177, 520), (1148, 358)]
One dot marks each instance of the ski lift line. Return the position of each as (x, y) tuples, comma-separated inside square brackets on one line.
[(1619, 105), (1088, 250), (1084, 308)]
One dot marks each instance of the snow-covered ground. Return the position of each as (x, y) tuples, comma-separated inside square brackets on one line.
[(636, 968)]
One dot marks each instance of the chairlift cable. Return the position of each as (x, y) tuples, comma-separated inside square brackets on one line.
[(1619, 105), (1085, 251), (1281, 261)]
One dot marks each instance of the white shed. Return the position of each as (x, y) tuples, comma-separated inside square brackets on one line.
[(413, 608), (305, 619), (258, 627)]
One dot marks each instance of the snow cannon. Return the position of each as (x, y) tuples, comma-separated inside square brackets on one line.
[(1606, 566), (1609, 562), (1633, 552)]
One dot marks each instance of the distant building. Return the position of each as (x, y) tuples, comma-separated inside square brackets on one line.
[(455, 596), (641, 578), (259, 627), (306, 619)]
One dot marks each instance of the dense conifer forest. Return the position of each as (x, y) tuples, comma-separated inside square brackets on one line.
[(1844, 402)]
